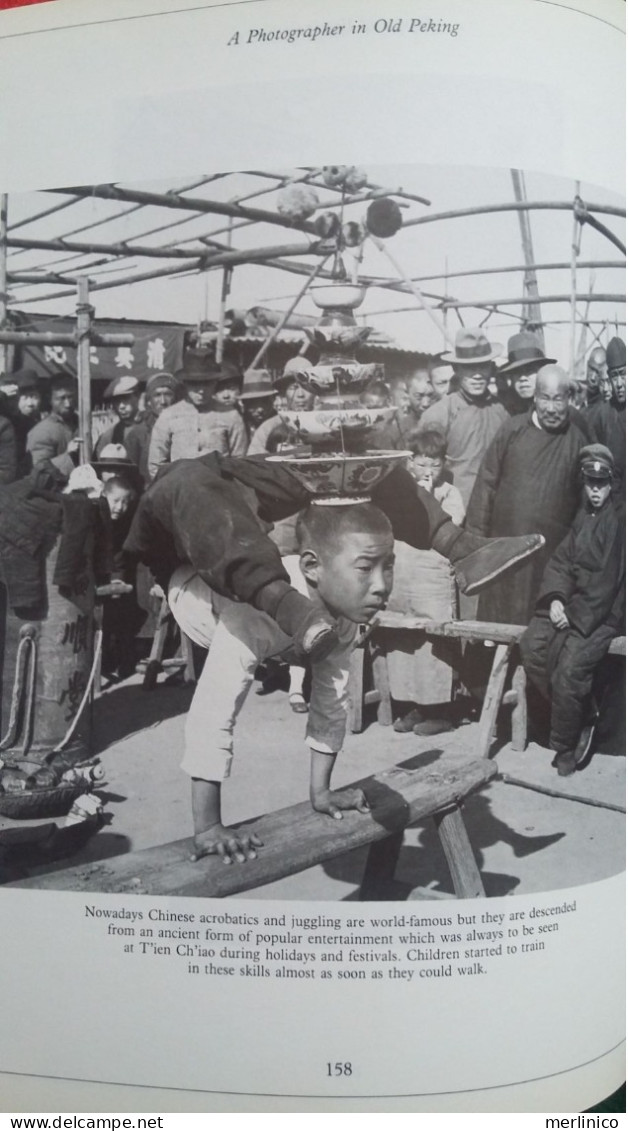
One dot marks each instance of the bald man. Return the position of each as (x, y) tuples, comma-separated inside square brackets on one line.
[(528, 481)]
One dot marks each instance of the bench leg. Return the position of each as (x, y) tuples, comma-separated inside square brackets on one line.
[(382, 686), (492, 699), (379, 870), (459, 854), (519, 722)]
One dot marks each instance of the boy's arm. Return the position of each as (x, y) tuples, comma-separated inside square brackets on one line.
[(326, 727)]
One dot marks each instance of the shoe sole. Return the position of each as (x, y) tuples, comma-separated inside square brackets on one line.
[(472, 589)]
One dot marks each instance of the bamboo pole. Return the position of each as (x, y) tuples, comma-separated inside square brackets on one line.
[(510, 780), (511, 206), (415, 289), (282, 322), (121, 248), (4, 297), (459, 305), (575, 248), (189, 204), (84, 313), (530, 311)]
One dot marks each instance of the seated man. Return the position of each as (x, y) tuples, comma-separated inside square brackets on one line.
[(346, 557), (579, 610)]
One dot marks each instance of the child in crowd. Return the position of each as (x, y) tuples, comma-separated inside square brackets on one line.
[(122, 615), (424, 587), (346, 559), (580, 608)]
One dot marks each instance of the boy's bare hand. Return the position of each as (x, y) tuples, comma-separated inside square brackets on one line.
[(333, 801), (558, 615), (232, 845)]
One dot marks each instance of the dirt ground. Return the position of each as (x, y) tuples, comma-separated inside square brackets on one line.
[(524, 841)]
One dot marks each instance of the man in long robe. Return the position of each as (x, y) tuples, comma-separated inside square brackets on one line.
[(528, 481)]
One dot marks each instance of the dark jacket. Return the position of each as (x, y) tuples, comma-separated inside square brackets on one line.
[(587, 571), (8, 450)]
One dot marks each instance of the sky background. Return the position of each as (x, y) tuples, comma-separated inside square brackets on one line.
[(466, 244)]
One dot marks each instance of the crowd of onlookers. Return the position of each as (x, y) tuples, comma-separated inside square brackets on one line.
[(501, 444)]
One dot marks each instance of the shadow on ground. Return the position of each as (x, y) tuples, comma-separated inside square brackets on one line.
[(128, 709)]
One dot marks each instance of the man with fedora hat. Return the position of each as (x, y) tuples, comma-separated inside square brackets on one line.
[(470, 416), (258, 399), (123, 393), (193, 427), (579, 609), (518, 376)]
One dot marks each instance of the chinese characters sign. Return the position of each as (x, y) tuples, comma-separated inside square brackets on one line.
[(156, 348)]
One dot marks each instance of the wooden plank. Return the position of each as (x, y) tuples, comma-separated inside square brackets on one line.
[(294, 838), (492, 699), (460, 629), (457, 848)]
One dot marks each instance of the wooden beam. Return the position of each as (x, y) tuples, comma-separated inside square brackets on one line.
[(293, 839)]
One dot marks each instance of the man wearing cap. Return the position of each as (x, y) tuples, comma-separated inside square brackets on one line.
[(579, 609), (470, 416), (193, 427), (162, 390), (528, 481), (258, 398), (23, 405), (55, 434), (124, 395), (607, 419), (297, 399), (518, 377)]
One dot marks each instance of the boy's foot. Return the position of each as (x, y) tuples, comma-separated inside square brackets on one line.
[(490, 557), (565, 763)]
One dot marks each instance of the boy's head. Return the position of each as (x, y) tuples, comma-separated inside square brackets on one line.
[(120, 495), (428, 447), (347, 557), (596, 467), (376, 396)]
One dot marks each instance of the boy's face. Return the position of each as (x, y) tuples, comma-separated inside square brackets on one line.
[(126, 407), (200, 393), (597, 492), (525, 383), (427, 469), (226, 394), (354, 580), (119, 500)]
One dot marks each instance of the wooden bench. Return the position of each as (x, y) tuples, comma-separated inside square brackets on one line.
[(504, 636), (297, 838)]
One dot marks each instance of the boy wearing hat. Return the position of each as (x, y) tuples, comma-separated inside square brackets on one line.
[(469, 417), (580, 608), (124, 395), (55, 434), (192, 427)]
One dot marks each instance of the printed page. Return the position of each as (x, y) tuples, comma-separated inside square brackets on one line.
[(445, 932)]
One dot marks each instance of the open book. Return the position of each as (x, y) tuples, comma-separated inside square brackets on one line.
[(429, 334)]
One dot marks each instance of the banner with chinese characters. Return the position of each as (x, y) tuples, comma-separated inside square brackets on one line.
[(157, 346)]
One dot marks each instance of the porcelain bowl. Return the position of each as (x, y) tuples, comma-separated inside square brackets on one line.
[(330, 423), (335, 296), (343, 377), (337, 476)]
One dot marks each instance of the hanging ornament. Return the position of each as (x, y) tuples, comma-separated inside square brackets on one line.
[(355, 179), (327, 225), (383, 217), (353, 233), (297, 202)]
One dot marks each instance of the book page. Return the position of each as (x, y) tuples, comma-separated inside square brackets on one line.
[(182, 158)]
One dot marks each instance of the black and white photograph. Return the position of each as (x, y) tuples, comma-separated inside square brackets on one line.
[(312, 525)]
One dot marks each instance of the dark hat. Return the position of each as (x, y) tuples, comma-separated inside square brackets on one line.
[(471, 347), (524, 350), (597, 462), (227, 372), (616, 354), (62, 380), (113, 456), (122, 387), (257, 383), (22, 378), (163, 381)]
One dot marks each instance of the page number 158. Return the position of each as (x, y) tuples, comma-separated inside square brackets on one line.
[(340, 1068)]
